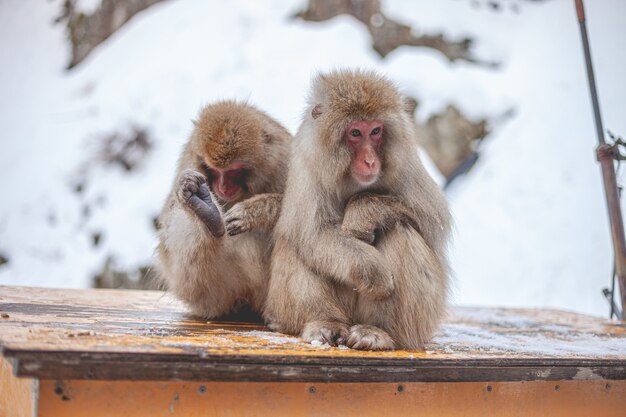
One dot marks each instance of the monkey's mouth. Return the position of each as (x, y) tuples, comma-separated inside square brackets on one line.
[(230, 183), (365, 179), (228, 194)]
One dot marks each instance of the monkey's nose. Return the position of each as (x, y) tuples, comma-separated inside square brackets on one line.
[(370, 162)]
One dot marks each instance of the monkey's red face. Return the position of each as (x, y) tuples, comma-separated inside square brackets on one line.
[(228, 183), (364, 138)]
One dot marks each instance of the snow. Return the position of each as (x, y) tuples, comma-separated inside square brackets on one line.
[(272, 338), (455, 338), (320, 344), (479, 331), (531, 222)]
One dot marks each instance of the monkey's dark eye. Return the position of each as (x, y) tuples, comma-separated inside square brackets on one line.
[(355, 133), (376, 131)]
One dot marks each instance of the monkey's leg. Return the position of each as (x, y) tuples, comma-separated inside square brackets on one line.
[(368, 216), (195, 195), (301, 303), (259, 212), (195, 267), (415, 309), (199, 268)]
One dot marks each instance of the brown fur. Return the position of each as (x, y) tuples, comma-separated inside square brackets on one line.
[(214, 275), (327, 282)]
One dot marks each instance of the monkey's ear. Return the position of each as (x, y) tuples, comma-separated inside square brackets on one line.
[(317, 111), (267, 137)]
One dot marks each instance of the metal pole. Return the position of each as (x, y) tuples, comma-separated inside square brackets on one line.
[(606, 157)]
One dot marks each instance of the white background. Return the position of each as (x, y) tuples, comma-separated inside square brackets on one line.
[(531, 222)]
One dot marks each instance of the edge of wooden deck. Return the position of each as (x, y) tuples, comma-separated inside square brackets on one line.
[(264, 368)]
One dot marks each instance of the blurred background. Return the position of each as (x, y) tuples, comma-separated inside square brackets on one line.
[(97, 98)]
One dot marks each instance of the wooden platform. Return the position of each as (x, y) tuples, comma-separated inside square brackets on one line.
[(125, 351)]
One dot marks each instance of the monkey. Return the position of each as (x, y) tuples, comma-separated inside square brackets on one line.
[(234, 152), (361, 237)]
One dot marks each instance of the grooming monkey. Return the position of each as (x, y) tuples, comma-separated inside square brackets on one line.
[(360, 244), (234, 152)]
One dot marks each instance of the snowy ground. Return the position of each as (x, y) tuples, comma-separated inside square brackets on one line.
[(531, 223)]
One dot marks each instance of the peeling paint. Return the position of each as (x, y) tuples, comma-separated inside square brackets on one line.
[(173, 402), (32, 366), (586, 374), (543, 374)]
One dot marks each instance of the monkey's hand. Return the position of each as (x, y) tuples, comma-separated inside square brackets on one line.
[(361, 220), (194, 194), (367, 233), (259, 212), (373, 279)]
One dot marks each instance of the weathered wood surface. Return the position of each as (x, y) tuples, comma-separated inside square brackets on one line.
[(147, 335)]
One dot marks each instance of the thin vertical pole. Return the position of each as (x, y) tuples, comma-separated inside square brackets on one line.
[(606, 157)]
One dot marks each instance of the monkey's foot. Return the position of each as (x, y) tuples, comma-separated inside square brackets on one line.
[(366, 337), (332, 332), (194, 193)]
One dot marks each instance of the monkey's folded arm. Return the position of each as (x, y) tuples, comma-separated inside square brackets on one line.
[(367, 213), (258, 213), (332, 254)]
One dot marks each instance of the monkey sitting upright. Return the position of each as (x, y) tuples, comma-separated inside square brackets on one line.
[(234, 152), (360, 243)]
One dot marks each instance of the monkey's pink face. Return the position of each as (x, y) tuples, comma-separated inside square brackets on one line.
[(364, 138), (228, 183)]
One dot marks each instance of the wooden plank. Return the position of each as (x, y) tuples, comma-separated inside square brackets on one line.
[(204, 398), (111, 334), (18, 396), (23, 397)]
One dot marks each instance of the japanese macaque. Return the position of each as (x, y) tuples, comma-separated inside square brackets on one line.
[(234, 152), (360, 242)]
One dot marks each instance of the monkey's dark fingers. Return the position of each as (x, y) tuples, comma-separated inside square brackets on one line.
[(234, 224), (190, 180), (235, 220), (333, 333), (367, 236), (332, 337), (208, 213), (233, 230)]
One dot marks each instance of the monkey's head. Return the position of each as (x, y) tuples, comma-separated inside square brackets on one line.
[(359, 120), (240, 150)]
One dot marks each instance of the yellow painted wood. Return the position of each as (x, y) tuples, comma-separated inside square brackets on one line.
[(468, 399), (23, 397), (18, 396)]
